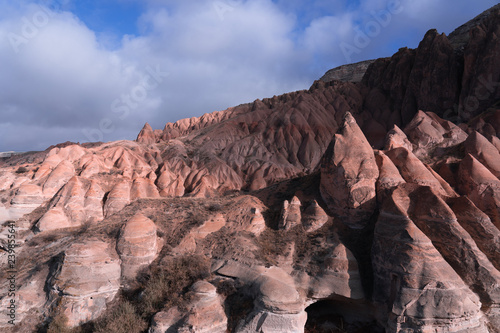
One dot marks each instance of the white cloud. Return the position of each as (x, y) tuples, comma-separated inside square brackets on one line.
[(65, 79)]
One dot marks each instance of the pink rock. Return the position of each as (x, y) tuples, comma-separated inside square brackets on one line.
[(389, 176), (314, 217), (348, 175), (257, 222), (397, 138), (485, 152), (137, 244), (213, 224), (54, 219), (146, 135), (481, 186), (58, 177), (290, 214), (89, 278), (92, 165), (419, 287), (413, 170), (143, 188), (118, 198)]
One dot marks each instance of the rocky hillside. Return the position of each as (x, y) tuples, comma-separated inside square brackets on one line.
[(349, 207), (348, 73), (460, 36)]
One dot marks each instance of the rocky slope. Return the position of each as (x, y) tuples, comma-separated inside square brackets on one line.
[(348, 73), (347, 207)]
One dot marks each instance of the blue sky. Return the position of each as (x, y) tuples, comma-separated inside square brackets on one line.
[(93, 70), (117, 17)]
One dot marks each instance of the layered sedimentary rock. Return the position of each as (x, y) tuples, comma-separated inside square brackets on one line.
[(78, 202), (55, 219), (413, 281), (92, 165), (58, 178), (118, 198), (314, 217), (429, 134), (27, 198), (348, 175), (205, 313), (413, 80), (137, 245), (481, 186), (454, 243), (290, 214), (340, 276), (484, 151), (400, 239), (389, 176), (88, 278), (146, 135), (257, 222), (30, 298), (414, 171), (348, 73), (397, 138), (213, 224), (278, 306), (479, 226)]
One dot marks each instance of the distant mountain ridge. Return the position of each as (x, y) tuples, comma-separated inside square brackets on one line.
[(348, 73), (461, 35)]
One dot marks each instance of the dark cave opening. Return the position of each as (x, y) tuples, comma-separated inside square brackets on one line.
[(341, 315)]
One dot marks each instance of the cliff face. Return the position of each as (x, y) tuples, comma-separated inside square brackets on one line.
[(461, 35), (345, 207), (348, 73), (455, 84)]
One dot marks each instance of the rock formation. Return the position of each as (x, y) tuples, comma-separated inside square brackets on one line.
[(88, 278), (137, 244), (290, 214), (348, 175), (417, 286), (278, 306), (198, 227), (314, 217), (205, 313), (348, 73)]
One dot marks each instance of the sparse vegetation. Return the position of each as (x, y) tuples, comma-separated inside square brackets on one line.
[(59, 324), (164, 285), (161, 286), (22, 169), (84, 228), (215, 207), (123, 318)]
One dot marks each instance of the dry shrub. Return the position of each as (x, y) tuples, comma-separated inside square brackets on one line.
[(164, 286), (123, 318), (215, 207), (272, 243), (22, 170), (59, 324)]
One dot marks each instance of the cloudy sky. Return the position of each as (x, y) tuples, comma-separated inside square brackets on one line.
[(97, 70)]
